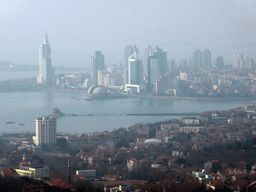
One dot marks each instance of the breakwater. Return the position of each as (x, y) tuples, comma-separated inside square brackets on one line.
[(131, 114)]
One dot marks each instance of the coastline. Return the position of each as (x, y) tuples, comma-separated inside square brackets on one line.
[(191, 98), (134, 96)]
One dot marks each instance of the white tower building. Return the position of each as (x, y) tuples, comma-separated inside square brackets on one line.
[(238, 61), (46, 72), (45, 131)]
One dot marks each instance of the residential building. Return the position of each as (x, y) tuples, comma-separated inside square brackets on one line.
[(238, 61), (190, 129), (103, 78), (46, 72), (190, 121), (45, 131), (33, 168)]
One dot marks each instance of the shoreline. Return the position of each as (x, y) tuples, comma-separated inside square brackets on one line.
[(191, 98), (136, 96)]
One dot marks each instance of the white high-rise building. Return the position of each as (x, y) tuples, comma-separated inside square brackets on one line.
[(46, 72), (238, 61), (45, 131), (128, 51)]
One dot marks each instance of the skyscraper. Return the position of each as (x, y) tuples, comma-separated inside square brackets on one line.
[(197, 60), (97, 64), (128, 51), (46, 72), (157, 65), (249, 63), (238, 60), (219, 63), (147, 52), (134, 69), (206, 59), (45, 131)]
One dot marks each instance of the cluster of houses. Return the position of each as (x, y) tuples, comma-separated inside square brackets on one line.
[(143, 152)]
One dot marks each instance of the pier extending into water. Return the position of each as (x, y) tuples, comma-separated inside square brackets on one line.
[(134, 114), (57, 113)]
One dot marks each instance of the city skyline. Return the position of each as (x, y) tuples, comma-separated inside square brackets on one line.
[(179, 27)]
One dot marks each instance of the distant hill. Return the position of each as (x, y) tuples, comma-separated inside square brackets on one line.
[(7, 66)]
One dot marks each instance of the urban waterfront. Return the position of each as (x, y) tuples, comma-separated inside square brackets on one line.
[(25, 107)]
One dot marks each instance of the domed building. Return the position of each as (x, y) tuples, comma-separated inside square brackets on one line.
[(153, 141), (91, 89), (98, 92)]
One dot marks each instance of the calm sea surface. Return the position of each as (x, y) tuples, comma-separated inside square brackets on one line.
[(25, 107)]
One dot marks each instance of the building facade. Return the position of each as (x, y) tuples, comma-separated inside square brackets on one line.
[(238, 61), (46, 72), (157, 65), (97, 64), (128, 51), (134, 69), (45, 131)]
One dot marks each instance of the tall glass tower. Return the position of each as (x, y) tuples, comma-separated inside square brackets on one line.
[(134, 69), (46, 72), (97, 64)]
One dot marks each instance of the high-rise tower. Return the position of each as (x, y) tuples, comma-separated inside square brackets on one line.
[(45, 131), (207, 59), (197, 60), (128, 51), (238, 60), (157, 65), (97, 64), (46, 72), (134, 69)]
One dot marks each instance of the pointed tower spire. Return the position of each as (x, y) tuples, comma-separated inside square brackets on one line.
[(46, 38)]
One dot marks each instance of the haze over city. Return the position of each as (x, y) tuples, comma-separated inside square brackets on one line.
[(77, 29)]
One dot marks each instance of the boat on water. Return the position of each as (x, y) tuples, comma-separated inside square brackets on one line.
[(10, 122), (21, 124)]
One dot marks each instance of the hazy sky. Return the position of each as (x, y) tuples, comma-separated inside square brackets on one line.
[(77, 28)]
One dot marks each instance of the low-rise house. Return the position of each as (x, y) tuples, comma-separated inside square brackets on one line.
[(211, 166), (8, 172), (236, 171), (141, 138), (133, 164), (215, 185), (201, 176), (61, 184), (117, 188)]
